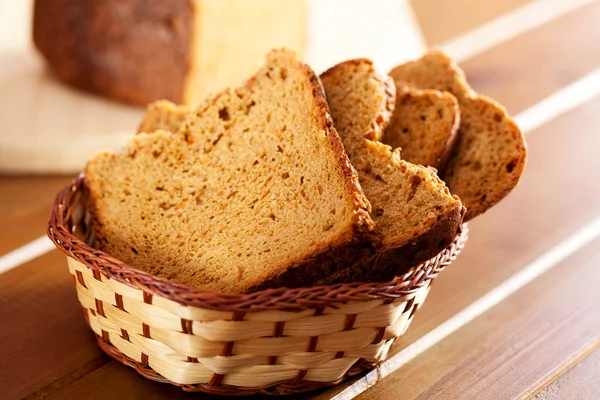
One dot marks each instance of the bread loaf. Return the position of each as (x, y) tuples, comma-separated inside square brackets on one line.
[(415, 214), (139, 51), (490, 153), (253, 191), (424, 125)]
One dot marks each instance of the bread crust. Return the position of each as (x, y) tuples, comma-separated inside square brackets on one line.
[(135, 51)]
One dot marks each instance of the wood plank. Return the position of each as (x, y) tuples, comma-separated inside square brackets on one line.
[(494, 251), (580, 382), (129, 386), (515, 347), (459, 16), (43, 337), (534, 65), (24, 208)]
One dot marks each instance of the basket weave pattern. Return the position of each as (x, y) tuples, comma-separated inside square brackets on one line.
[(271, 342)]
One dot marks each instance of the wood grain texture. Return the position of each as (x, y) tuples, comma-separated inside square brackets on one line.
[(530, 67), (129, 386), (43, 337), (582, 381), (443, 20), (514, 347), (24, 208)]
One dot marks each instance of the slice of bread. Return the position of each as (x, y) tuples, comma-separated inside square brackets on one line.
[(254, 191), (415, 214), (163, 115), (490, 153), (424, 125)]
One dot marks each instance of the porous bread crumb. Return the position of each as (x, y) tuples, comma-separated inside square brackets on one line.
[(253, 191), (490, 153), (408, 201), (424, 126)]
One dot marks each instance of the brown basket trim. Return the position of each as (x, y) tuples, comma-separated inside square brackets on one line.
[(63, 232)]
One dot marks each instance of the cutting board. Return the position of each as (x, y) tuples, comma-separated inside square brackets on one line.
[(47, 127)]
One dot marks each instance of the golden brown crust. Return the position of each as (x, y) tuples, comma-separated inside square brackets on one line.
[(111, 47), (490, 153), (364, 221)]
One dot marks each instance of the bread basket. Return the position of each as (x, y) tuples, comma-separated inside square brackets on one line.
[(277, 341)]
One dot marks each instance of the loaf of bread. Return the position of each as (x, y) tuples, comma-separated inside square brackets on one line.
[(139, 51), (490, 153), (253, 191), (424, 126), (416, 216)]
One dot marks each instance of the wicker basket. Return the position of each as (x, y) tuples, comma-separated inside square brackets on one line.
[(278, 341)]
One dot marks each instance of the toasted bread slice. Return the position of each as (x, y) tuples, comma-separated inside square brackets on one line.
[(163, 115), (424, 125), (490, 153), (415, 214), (254, 191)]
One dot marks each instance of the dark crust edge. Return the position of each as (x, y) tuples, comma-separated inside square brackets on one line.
[(384, 265), (399, 260), (364, 221), (64, 49)]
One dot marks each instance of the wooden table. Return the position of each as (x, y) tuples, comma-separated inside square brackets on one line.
[(518, 314)]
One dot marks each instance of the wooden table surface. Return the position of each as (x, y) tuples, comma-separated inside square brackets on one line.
[(516, 316)]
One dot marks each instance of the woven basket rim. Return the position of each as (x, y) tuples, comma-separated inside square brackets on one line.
[(285, 299)]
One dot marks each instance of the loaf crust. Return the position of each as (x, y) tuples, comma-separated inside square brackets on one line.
[(135, 51)]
